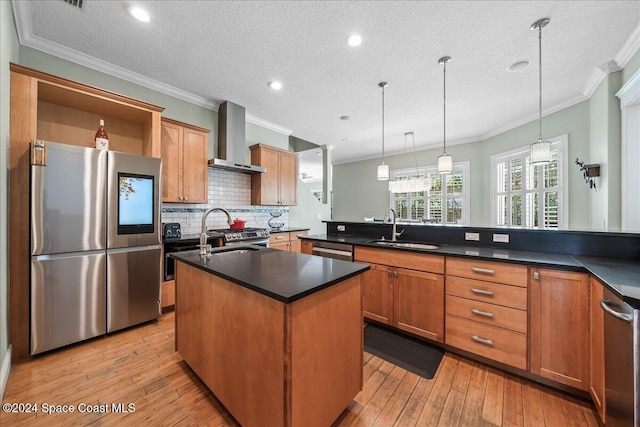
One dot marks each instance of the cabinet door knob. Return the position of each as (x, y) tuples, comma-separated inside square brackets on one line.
[(536, 275), (395, 274)]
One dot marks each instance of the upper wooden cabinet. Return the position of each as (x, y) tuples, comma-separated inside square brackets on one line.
[(278, 185), (559, 334), (51, 108), (184, 162)]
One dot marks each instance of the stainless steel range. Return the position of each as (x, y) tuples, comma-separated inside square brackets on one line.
[(252, 236)]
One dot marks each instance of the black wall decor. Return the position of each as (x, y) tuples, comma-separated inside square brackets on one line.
[(589, 172)]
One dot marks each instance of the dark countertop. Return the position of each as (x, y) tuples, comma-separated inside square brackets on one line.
[(282, 275), (286, 230), (621, 276)]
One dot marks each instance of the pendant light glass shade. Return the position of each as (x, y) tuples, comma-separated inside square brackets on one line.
[(540, 151), (383, 170), (445, 161)]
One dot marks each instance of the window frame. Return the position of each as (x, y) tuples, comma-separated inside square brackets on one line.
[(562, 144), (463, 166)]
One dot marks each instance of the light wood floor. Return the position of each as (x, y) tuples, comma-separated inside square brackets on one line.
[(139, 366)]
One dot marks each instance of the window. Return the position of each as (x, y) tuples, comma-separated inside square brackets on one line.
[(446, 202), (530, 196)]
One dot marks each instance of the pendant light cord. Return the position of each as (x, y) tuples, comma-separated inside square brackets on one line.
[(383, 85), (444, 107), (540, 81)]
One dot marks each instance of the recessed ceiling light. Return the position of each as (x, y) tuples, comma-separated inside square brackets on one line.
[(518, 65), (140, 14), (344, 118), (354, 40), (275, 85)]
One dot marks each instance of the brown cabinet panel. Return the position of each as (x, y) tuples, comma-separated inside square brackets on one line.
[(278, 185), (596, 348), (489, 314), (184, 163), (402, 259), (306, 247), (498, 344), (559, 334), (494, 293), (498, 272), (288, 241), (378, 294), (419, 303)]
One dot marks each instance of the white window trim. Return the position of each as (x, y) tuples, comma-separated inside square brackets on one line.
[(629, 96), (466, 191), (563, 160)]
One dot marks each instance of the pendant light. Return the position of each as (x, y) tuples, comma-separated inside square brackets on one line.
[(540, 151), (445, 161), (383, 169), (413, 184)]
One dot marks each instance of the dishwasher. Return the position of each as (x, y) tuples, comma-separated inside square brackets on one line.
[(333, 250), (621, 361)]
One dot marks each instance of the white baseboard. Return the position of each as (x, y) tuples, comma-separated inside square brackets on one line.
[(4, 371)]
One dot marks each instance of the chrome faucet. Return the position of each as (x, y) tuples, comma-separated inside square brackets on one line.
[(203, 230), (387, 217)]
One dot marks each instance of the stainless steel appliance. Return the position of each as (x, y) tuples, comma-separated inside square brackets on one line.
[(95, 244), (252, 236), (340, 251), (622, 377)]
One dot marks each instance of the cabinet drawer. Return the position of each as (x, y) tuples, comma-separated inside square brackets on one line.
[(493, 343), (490, 271), (396, 258), (293, 236), (490, 314), (494, 293), (278, 238)]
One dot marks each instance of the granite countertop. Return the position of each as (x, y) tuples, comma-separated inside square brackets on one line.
[(621, 276), (282, 275), (286, 229)]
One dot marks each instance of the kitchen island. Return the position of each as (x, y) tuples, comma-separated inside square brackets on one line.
[(276, 336)]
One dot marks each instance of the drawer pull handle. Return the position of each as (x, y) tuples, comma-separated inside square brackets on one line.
[(482, 341), (483, 271), (482, 313), (279, 237), (482, 292)]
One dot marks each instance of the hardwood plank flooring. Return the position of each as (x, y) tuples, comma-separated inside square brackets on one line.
[(139, 366)]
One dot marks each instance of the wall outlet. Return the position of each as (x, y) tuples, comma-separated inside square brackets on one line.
[(341, 228), (319, 216), (472, 236), (501, 238)]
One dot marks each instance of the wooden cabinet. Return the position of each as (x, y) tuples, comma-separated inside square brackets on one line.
[(278, 185), (287, 241), (596, 347), (559, 336), (410, 299), (306, 247), (184, 162), (51, 108), (486, 309)]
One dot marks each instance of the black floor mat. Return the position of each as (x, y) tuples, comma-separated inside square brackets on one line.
[(409, 353)]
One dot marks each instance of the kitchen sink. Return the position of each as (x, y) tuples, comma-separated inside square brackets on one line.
[(410, 245)]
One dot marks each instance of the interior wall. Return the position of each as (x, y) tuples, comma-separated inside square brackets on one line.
[(8, 53), (357, 193)]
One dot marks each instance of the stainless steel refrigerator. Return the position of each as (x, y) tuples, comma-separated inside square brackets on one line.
[(95, 243)]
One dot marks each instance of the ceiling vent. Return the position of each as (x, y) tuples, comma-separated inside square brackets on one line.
[(75, 3)]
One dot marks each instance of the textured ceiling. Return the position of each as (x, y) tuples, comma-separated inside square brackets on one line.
[(230, 50)]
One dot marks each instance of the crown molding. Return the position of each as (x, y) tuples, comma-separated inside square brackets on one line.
[(629, 48), (630, 92), (268, 125)]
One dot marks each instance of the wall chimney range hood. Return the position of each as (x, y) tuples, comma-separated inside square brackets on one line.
[(231, 141)]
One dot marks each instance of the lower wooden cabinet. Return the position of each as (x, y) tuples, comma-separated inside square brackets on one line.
[(559, 333), (596, 346), (407, 299), (306, 247), (287, 241), (168, 294)]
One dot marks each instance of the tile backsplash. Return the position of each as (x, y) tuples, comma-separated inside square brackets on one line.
[(228, 190)]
